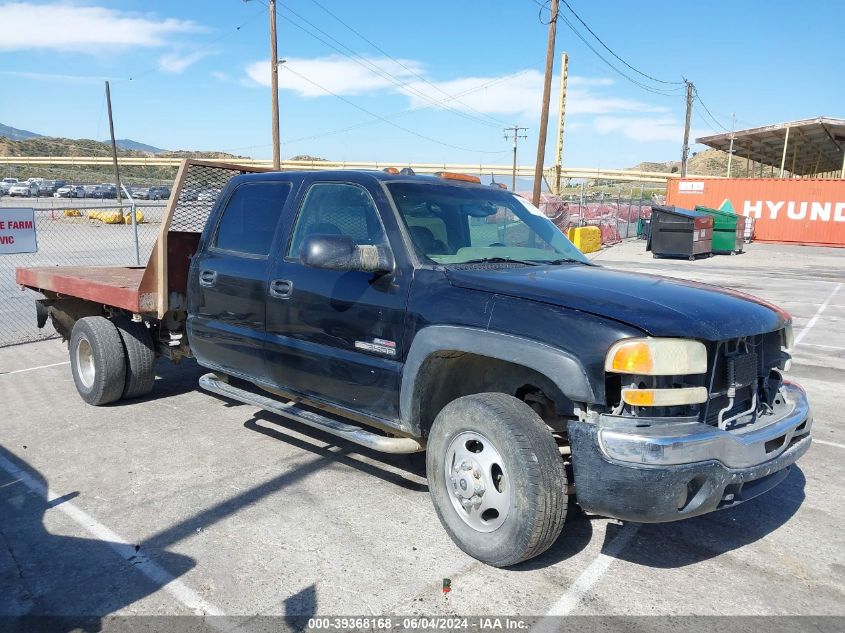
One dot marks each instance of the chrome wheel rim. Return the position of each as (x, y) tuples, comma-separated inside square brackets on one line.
[(477, 481), (85, 363)]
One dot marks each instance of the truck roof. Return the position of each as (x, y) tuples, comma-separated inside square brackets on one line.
[(354, 174)]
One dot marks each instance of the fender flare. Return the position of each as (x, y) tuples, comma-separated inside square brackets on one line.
[(562, 368)]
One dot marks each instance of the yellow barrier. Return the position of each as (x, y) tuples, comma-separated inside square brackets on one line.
[(73, 213), (586, 238), (139, 217), (106, 217)]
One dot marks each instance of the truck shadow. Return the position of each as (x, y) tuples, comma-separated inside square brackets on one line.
[(682, 543), (63, 583), (388, 467)]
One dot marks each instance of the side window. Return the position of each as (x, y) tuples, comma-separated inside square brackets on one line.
[(335, 208), (250, 218)]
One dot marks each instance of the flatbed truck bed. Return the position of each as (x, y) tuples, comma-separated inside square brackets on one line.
[(116, 286)]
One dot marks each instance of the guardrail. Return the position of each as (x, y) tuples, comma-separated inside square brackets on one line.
[(522, 171)]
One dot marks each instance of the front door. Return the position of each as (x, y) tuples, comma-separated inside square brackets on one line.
[(337, 335), (226, 323)]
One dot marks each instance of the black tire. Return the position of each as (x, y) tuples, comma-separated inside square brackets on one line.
[(97, 360), (532, 471), (140, 357)]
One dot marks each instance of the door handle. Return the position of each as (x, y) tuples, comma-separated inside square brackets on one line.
[(281, 288), (208, 278)]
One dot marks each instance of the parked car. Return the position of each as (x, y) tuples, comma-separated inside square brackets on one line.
[(374, 308), (104, 191), (70, 191), (89, 190), (24, 189), (152, 193), (208, 195), (189, 194), (47, 188), (7, 183)]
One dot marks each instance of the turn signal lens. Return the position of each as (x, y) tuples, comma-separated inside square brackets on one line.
[(657, 357), (631, 358), (450, 175), (664, 397)]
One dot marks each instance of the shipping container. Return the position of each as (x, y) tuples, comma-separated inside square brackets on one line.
[(784, 210)]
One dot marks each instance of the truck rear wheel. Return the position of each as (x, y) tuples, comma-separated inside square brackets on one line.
[(496, 478), (97, 360), (140, 357)]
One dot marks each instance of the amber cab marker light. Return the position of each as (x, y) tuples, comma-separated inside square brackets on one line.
[(450, 175), (390, 170)]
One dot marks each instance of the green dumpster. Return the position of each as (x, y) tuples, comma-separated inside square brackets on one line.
[(728, 230)]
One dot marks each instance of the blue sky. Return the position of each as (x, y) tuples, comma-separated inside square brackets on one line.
[(447, 75)]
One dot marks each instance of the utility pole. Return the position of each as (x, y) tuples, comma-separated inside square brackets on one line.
[(685, 151), (544, 113), (515, 132), (274, 85), (564, 73), (731, 150), (114, 147)]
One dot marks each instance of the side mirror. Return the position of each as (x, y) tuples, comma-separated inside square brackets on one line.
[(340, 252)]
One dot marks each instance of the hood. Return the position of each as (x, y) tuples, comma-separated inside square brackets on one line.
[(659, 306)]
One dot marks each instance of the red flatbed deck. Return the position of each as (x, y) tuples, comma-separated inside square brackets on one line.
[(115, 286)]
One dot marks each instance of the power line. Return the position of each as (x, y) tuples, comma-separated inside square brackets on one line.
[(607, 48), (403, 65), (715, 120), (226, 35), (371, 66), (387, 116), (386, 120), (407, 110), (666, 92)]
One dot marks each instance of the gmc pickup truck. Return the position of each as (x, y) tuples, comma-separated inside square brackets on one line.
[(414, 313)]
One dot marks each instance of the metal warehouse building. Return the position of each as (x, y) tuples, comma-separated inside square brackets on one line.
[(794, 184)]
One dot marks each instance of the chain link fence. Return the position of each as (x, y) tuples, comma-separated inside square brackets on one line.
[(617, 218), (84, 232)]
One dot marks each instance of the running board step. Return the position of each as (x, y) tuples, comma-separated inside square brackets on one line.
[(212, 382)]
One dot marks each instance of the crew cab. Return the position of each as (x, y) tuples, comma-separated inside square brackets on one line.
[(408, 313)]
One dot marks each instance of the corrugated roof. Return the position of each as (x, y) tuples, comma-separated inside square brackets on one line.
[(814, 145)]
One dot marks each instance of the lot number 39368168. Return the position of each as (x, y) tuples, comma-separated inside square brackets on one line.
[(17, 231)]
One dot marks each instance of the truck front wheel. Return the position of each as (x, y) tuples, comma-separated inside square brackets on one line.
[(496, 478), (97, 360)]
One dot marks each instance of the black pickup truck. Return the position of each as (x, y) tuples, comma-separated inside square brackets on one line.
[(409, 313)]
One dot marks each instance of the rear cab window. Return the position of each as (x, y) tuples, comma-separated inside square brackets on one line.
[(248, 223)]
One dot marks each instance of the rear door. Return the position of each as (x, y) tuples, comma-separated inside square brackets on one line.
[(228, 279)]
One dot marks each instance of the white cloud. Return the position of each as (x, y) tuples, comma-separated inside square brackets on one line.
[(220, 76), (521, 95), (337, 74), (644, 129), (68, 27), (178, 62)]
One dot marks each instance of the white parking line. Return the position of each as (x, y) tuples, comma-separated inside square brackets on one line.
[(20, 371), (816, 316), (590, 576), (160, 576), (826, 443)]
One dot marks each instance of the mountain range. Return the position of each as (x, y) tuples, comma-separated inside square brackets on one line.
[(16, 134)]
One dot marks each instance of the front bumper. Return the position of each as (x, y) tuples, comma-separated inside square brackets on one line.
[(659, 470)]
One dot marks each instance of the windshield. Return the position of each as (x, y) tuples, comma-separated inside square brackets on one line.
[(454, 224)]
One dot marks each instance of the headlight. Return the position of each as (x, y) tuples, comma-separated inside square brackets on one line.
[(657, 357)]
